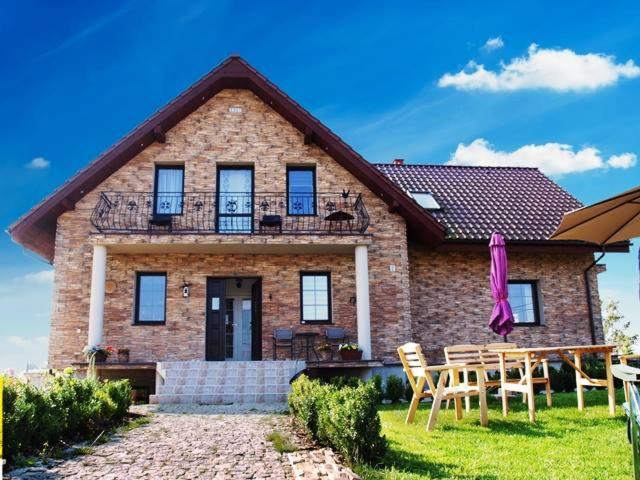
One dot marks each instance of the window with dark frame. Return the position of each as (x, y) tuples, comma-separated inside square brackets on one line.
[(315, 297), (301, 190), (523, 297), (169, 190), (151, 297)]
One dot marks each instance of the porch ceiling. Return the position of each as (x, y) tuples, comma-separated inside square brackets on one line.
[(322, 246)]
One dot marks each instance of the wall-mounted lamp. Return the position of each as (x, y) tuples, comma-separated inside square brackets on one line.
[(186, 290)]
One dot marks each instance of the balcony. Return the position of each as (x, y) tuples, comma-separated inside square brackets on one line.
[(230, 213)]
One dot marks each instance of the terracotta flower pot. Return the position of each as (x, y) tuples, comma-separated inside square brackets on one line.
[(123, 355), (351, 355)]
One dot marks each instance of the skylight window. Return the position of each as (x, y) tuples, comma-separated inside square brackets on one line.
[(426, 200)]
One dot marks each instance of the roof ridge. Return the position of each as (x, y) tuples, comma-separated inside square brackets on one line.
[(442, 165)]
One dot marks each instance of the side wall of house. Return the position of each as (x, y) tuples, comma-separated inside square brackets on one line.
[(452, 303), (210, 137)]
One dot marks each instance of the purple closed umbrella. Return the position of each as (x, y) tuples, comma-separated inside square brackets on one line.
[(502, 316)]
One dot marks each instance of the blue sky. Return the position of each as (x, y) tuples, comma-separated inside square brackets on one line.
[(78, 76)]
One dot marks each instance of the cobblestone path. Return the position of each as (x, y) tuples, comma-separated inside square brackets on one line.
[(173, 445)]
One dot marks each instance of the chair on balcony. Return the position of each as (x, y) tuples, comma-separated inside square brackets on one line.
[(270, 221), (160, 220), (283, 338), (334, 337)]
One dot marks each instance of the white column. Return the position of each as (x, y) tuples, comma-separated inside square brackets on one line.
[(96, 302), (363, 311)]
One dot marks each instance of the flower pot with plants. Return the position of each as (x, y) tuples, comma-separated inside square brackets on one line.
[(350, 352), (98, 353), (123, 355)]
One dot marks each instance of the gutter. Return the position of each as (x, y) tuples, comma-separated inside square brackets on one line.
[(589, 298)]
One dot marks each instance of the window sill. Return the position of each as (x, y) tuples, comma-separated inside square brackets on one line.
[(536, 324), (143, 323), (316, 322)]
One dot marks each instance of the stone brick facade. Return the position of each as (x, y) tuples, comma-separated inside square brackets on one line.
[(209, 137), (451, 301), (435, 298)]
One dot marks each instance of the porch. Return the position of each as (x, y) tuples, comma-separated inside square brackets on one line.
[(219, 302)]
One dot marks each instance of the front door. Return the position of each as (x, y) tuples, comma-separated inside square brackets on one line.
[(235, 200), (233, 319), (215, 319)]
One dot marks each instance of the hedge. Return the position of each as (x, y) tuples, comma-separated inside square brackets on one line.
[(345, 419), (66, 409)]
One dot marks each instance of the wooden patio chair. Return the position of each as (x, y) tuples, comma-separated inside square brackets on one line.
[(491, 361), (423, 385), (472, 354)]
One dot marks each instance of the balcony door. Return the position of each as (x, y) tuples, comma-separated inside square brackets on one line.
[(235, 200)]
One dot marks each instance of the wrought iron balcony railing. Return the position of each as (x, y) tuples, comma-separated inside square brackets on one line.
[(230, 213)]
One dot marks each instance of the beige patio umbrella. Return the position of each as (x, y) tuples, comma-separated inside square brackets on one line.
[(613, 220), (616, 219)]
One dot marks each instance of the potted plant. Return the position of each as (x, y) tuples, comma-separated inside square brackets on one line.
[(350, 351), (98, 353), (123, 355)]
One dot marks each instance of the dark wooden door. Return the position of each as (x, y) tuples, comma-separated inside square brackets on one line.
[(256, 320), (214, 335)]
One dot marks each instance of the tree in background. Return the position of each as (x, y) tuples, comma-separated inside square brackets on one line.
[(616, 330)]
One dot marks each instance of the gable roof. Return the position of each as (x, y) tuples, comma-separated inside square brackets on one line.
[(36, 229), (521, 203)]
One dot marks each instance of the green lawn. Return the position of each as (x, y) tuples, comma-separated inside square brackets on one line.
[(563, 444)]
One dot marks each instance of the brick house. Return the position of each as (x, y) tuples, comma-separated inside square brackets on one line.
[(234, 202)]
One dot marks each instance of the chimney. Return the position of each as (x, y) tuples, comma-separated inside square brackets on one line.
[(398, 161)]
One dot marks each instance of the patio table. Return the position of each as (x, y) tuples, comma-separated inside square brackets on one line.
[(531, 357)]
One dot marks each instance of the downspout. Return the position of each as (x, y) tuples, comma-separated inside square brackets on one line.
[(587, 284)]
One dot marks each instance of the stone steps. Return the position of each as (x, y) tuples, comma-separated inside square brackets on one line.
[(212, 383)]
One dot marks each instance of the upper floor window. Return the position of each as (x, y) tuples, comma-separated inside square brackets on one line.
[(523, 297), (169, 189), (315, 292), (301, 191), (151, 297), (426, 200)]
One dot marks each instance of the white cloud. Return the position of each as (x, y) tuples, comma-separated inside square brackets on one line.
[(38, 163), (23, 342), (44, 276), (625, 160), (550, 158), (493, 44), (553, 69)]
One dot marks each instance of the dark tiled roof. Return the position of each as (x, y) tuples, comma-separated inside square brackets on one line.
[(520, 203)]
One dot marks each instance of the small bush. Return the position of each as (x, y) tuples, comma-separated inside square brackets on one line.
[(376, 381), (345, 381), (408, 392), (394, 388), (345, 419), (281, 443), (64, 410)]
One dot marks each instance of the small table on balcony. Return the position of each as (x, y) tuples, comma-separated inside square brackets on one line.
[(309, 345)]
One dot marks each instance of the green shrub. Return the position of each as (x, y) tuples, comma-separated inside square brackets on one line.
[(64, 410), (408, 392), (394, 388), (345, 381), (345, 419), (376, 381), (305, 398)]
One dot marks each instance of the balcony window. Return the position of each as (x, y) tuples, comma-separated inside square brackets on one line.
[(169, 190), (301, 191)]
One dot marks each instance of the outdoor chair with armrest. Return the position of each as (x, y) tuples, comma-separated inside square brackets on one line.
[(482, 354), (420, 377)]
